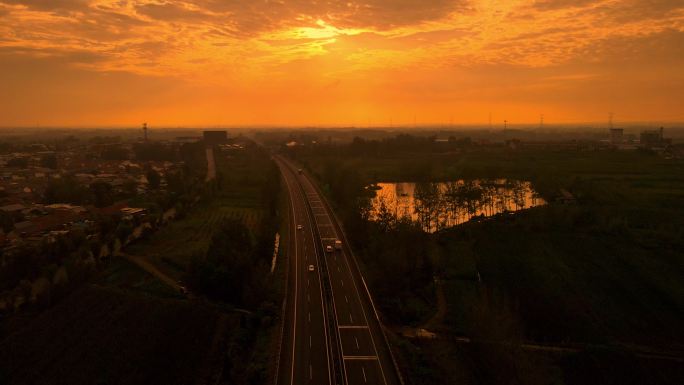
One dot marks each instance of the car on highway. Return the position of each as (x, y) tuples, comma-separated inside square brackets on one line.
[(329, 249), (300, 227), (311, 267), (338, 244)]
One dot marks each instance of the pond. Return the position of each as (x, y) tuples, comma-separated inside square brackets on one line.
[(439, 205)]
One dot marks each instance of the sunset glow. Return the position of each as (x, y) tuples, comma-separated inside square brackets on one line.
[(306, 62)]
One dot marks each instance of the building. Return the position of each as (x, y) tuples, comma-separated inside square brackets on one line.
[(616, 136), (654, 139), (215, 137)]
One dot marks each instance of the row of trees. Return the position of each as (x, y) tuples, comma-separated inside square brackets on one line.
[(441, 205)]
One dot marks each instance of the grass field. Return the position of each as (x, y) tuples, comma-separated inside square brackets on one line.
[(236, 194)]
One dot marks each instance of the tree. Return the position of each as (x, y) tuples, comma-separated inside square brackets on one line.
[(153, 178), (427, 197), (17, 162), (453, 200), (6, 221), (103, 194), (49, 161), (66, 190)]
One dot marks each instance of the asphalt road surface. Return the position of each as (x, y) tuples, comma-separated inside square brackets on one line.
[(331, 333)]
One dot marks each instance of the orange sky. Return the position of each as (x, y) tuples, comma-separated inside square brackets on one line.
[(307, 62)]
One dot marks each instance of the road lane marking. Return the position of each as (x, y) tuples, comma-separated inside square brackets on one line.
[(342, 282), (346, 299), (355, 340), (301, 195), (364, 374), (294, 324), (351, 320)]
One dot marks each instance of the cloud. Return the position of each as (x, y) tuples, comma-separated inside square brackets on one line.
[(50, 5), (560, 4), (376, 14), (372, 45), (172, 12)]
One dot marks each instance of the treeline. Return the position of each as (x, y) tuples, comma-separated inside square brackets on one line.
[(235, 269), (395, 252)]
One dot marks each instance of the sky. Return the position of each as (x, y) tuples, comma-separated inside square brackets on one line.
[(339, 63)]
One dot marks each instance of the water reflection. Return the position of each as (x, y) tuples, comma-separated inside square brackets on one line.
[(438, 205)]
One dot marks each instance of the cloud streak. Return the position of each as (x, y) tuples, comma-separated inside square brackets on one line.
[(282, 45)]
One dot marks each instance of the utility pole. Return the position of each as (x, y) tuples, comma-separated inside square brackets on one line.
[(610, 120)]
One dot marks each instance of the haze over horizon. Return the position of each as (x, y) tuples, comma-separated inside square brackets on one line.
[(309, 63)]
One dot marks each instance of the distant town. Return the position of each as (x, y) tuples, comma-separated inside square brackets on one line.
[(103, 192)]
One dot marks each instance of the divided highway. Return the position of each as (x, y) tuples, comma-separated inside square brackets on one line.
[(331, 333)]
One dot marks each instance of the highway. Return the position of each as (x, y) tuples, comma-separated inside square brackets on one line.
[(331, 333)]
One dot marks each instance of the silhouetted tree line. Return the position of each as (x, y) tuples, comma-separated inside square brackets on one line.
[(155, 151), (396, 253), (401, 144), (234, 270)]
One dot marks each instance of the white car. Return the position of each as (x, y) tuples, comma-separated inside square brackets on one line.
[(300, 227), (311, 268), (329, 249)]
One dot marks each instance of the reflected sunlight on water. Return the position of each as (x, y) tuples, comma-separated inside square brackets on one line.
[(439, 205)]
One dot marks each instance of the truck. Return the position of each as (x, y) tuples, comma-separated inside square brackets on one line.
[(338, 244)]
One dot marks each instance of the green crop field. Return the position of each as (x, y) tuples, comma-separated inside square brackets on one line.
[(235, 195)]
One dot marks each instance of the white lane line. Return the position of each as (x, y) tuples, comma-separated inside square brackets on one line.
[(355, 340), (310, 372), (346, 299), (351, 320), (294, 323), (338, 269), (364, 374), (342, 282)]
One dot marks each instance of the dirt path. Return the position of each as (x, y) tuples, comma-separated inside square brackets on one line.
[(148, 267), (438, 318), (211, 165)]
